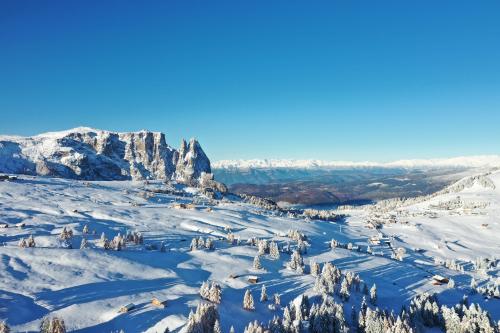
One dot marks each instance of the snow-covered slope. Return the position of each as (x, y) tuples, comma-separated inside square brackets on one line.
[(465, 161), (87, 287), (92, 154), (460, 222)]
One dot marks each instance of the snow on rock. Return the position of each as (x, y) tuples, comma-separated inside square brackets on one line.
[(92, 154)]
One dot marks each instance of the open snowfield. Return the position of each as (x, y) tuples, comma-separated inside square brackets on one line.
[(86, 287)]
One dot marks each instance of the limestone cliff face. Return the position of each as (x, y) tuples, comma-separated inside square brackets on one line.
[(90, 154), (191, 161)]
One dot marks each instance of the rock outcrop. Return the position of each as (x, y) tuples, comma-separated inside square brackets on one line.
[(90, 154), (191, 162)]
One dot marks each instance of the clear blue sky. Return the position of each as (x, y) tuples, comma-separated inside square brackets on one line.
[(351, 80)]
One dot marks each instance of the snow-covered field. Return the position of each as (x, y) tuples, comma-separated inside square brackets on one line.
[(87, 287)]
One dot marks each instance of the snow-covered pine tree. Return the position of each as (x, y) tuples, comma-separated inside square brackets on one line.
[(301, 247), (328, 317), (217, 328), (4, 328), (117, 243), (248, 303), (64, 234), (373, 294), (135, 237), (344, 290), (349, 276), (215, 293), (194, 244), (473, 285), (263, 247), (209, 244), (256, 262), (31, 241), (231, 330), (255, 327), (451, 284), (84, 244), (263, 293), (315, 268), (85, 230), (22, 243), (321, 285), (287, 319), (203, 320), (333, 243), (205, 290), (277, 300), (274, 251), (52, 325), (201, 243), (357, 282), (230, 238), (296, 262)]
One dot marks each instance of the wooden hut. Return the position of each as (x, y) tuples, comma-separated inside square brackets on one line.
[(439, 280), (127, 308), (253, 279), (160, 304)]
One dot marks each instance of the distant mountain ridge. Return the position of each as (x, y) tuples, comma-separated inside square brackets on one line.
[(463, 161), (93, 154)]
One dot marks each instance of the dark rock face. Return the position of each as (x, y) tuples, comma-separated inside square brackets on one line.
[(89, 154)]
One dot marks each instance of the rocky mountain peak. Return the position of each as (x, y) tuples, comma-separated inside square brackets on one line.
[(192, 161), (92, 154)]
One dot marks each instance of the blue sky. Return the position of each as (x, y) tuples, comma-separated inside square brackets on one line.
[(333, 80)]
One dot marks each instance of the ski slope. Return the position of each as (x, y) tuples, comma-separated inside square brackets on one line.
[(86, 287)]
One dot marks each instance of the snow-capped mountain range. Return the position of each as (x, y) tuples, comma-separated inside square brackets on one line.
[(464, 161), (93, 154)]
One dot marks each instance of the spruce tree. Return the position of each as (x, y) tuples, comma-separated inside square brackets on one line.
[(256, 262), (315, 268), (215, 293), (205, 290), (194, 244), (277, 300), (217, 328), (248, 303), (52, 325), (84, 244), (4, 328), (344, 290), (274, 251), (263, 293), (373, 294)]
